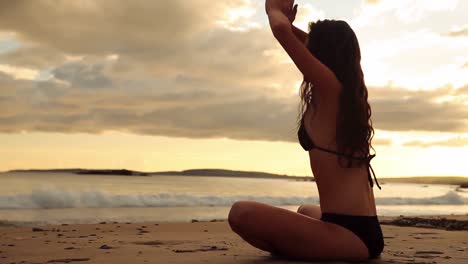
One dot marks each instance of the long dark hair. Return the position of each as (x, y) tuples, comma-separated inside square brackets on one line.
[(335, 44)]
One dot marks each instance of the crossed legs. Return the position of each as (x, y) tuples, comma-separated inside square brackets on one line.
[(294, 235)]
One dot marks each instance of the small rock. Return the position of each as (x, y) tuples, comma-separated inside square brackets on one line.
[(105, 247), (429, 252), (68, 260)]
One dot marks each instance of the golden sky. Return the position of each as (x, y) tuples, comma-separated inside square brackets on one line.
[(174, 85)]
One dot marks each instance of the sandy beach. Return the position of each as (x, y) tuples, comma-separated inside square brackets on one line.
[(212, 242)]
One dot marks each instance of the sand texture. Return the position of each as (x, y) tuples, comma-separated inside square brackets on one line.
[(202, 242)]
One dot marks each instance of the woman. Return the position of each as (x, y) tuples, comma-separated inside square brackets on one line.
[(336, 115)]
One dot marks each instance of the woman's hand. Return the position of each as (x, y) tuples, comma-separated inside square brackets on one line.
[(277, 11), (291, 14), (286, 7)]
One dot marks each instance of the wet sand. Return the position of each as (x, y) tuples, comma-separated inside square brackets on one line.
[(213, 242)]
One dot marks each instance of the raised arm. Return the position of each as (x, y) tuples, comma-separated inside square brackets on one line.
[(301, 35), (291, 15), (312, 69)]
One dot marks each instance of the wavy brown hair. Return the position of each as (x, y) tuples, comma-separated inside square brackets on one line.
[(335, 44)]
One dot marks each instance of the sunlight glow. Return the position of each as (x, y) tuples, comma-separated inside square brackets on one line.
[(19, 72)]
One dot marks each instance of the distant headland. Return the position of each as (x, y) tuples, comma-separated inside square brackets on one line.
[(193, 172), (455, 180)]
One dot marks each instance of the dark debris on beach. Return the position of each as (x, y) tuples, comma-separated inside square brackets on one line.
[(439, 223)]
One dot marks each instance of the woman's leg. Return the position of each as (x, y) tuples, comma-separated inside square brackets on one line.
[(294, 235), (310, 210)]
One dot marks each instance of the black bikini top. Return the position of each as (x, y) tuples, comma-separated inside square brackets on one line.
[(307, 144)]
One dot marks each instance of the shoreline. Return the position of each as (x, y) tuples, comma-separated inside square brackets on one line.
[(428, 221), (208, 242)]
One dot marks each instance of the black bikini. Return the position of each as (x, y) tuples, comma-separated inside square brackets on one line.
[(367, 228), (308, 144)]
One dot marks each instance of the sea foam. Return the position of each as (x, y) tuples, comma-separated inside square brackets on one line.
[(48, 198)]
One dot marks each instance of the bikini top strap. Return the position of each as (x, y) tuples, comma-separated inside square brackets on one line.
[(373, 173), (368, 159)]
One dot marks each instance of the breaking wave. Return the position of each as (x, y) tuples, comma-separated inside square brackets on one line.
[(55, 198)]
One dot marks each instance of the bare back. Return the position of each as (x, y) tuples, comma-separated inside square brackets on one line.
[(341, 190)]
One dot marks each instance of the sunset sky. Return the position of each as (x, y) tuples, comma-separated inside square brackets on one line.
[(174, 85)]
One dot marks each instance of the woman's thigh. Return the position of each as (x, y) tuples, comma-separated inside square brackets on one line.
[(310, 210), (295, 235)]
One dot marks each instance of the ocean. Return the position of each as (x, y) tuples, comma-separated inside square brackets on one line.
[(57, 198)]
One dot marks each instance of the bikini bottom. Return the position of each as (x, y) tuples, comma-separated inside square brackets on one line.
[(367, 228)]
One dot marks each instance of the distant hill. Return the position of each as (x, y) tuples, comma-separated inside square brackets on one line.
[(194, 172), (230, 173), (122, 172), (462, 181), (49, 170)]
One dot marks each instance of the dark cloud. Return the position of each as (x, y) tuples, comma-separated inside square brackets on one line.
[(174, 73), (398, 109), (197, 113), (81, 75), (152, 39), (202, 112), (96, 27)]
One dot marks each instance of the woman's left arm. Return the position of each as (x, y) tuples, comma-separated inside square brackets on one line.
[(312, 69)]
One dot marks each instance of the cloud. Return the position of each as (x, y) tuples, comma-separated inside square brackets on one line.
[(152, 39), (398, 109), (371, 2), (81, 75), (459, 141), (459, 31), (195, 113), (308, 13), (19, 72), (182, 111), (37, 57), (382, 141), (89, 27), (174, 68), (239, 18), (398, 59), (378, 12)]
